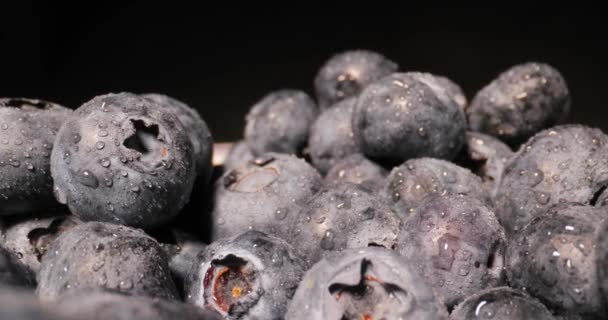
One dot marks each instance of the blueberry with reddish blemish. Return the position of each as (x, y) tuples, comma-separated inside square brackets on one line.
[(27, 132), (368, 283), (123, 159), (249, 276), (456, 244)]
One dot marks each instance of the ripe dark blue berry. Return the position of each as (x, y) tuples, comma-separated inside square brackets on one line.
[(562, 164), (342, 217), (28, 239), (27, 133), (356, 169), (123, 159), (280, 122), (501, 303), (601, 255), (261, 194), (369, 283), (196, 128), (523, 100), (103, 255), (249, 276), (408, 115), (238, 156), (331, 136), (456, 244), (487, 157), (553, 258), (410, 183), (344, 75), (12, 273)]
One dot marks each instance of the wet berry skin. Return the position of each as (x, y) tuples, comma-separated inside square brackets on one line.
[(261, 195), (456, 244), (344, 75), (104, 255), (566, 163), (196, 128), (280, 122), (123, 159), (12, 272), (331, 136), (502, 303), (602, 260), (368, 283), (408, 115), (410, 183), (341, 217), (248, 276), (27, 132), (522, 101), (553, 258), (356, 169)]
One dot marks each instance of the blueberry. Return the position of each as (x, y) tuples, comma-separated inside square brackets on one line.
[(522, 101), (28, 239), (456, 244), (196, 128), (453, 90), (601, 253), (239, 155), (344, 75), (408, 115), (123, 159), (564, 163), (27, 132), (331, 136), (487, 157), (356, 169), (181, 250), (21, 304), (408, 184), (342, 217), (103, 255), (97, 304), (501, 303), (249, 276), (370, 283), (280, 122), (553, 259), (261, 194), (12, 273)]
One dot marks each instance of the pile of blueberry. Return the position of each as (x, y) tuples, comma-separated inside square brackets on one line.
[(387, 196)]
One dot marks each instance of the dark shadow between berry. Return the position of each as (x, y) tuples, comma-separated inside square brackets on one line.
[(41, 238)]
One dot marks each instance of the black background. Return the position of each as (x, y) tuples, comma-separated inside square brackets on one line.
[(223, 61)]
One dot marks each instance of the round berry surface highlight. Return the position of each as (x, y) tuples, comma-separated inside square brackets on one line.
[(501, 303), (523, 100), (358, 170), (331, 136), (345, 74), (342, 217), (280, 122), (196, 128), (249, 276), (27, 133), (369, 283), (104, 255), (410, 183), (407, 115), (123, 159), (563, 164), (456, 244), (553, 258), (260, 195)]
